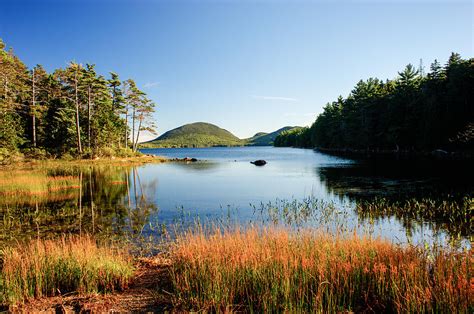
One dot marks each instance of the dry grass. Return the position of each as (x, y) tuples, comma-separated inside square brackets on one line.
[(55, 267), (34, 182), (277, 270), (61, 163)]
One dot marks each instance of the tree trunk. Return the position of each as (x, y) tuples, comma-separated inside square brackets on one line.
[(133, 128), (138, 133), (126, 126), (89, 117), (78, 130), (33, 111)]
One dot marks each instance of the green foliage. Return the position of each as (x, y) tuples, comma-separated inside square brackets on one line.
[(411, 113), (296, 137), (73, 111), (9, 156), (36, 153)]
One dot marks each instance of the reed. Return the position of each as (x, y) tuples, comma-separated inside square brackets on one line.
[(55, 267), (277, 270)]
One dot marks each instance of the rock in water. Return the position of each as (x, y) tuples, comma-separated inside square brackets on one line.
[(188, 159), (259, 162)]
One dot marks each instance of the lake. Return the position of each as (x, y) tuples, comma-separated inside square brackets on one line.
[(297, 188)]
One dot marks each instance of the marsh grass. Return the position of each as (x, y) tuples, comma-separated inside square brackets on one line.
[(274, 270), (34, 184), (56, 267)]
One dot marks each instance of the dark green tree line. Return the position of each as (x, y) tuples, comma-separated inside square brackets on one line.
[(414, 112), (72, 111)]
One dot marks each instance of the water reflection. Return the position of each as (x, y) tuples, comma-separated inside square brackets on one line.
[(110, 201), (421, 196), (302, 188)]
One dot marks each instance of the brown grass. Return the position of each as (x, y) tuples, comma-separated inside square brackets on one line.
[(55, 267), (277, 270)]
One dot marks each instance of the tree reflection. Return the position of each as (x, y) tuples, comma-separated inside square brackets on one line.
[(100, 205), (417, 195)]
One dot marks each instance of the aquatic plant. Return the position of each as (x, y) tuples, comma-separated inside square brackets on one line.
[(274, 270)]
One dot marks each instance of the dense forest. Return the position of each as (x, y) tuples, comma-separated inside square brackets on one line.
[(416, 112), (71, 112)]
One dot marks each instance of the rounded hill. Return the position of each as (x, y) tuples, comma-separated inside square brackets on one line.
[(199, 134)]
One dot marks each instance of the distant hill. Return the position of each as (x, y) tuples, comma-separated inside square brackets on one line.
[(266, 139), (199, 134)]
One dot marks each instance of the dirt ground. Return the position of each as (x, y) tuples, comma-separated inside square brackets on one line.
[(148, 292)]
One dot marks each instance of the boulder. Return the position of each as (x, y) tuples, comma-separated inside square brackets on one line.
[(259, 162), (189, 159)]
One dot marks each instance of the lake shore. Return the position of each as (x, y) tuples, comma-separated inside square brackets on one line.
[(112, 161), (406, 155)]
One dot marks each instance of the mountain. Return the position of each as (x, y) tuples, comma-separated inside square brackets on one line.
[(199, 134), (266, 139)]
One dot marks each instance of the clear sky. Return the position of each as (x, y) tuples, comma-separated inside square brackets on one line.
[(247, 66)]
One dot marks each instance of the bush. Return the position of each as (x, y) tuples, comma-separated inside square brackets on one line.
[(36, 153), (106, 152), (8, 156), (126, 152), (67, 157)]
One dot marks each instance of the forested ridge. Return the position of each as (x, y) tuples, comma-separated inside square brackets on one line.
[(415, 112), (71, 112)]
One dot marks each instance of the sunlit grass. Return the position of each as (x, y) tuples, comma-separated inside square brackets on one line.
[(276, 270), (34, 182), (55, 267)]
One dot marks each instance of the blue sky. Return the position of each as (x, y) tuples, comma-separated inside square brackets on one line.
[(247, 66)]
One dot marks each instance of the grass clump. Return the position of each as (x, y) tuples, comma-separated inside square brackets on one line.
[(55, 267), (34, 182), (274, 270)]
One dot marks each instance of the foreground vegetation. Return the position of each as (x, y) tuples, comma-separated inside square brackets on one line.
[(253, 270), (72, 112), (414, 112), (275, 270), (56, 267)]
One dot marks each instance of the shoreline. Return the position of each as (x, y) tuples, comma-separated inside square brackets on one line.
[(243, 263), (405, 155), (113, 161)]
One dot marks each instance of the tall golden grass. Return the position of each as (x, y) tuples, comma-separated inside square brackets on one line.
[(279, 270), (55, 267), (34, 182)]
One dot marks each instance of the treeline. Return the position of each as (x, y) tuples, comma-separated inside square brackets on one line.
[(413, 113), (73, 111)]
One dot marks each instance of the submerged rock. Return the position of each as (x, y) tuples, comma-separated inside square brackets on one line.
[(259, 162)]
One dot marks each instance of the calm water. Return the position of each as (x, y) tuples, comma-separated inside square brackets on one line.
[(223, 185)]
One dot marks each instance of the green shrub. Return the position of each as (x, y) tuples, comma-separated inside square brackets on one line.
[(9, 156), (36, 153)]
